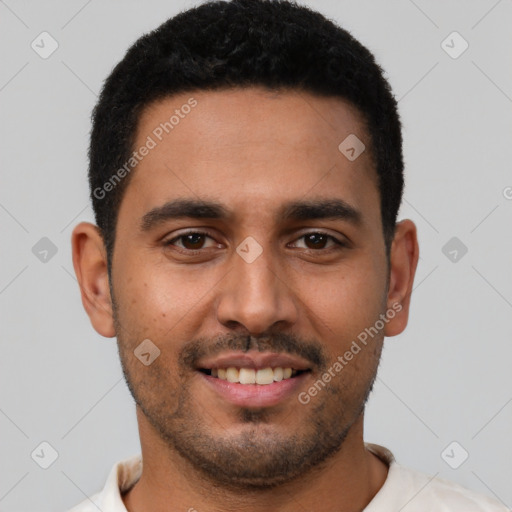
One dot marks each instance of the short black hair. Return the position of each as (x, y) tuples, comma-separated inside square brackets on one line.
[(276, 44)]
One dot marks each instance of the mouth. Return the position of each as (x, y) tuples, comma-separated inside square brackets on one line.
[(254, 379), (246, 375)]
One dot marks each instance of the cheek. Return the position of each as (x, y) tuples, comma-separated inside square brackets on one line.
[(348, 300), (154, 297)]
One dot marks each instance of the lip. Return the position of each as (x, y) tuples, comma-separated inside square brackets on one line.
[(255, 395), (255, 360)]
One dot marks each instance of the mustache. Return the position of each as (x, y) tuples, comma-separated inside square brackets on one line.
[(280, 342)]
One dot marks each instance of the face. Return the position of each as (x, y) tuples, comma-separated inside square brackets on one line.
[(247, 245)]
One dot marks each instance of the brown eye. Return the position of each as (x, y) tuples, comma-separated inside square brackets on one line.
[(195, 240), (318, 240), (191, 241)]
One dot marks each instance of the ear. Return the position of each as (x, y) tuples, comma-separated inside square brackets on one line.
[(404, 256), (90, 263)]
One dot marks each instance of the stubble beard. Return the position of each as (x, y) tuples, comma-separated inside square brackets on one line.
[(259, 455)]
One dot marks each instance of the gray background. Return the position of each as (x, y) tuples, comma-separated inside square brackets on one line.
[(446, 378)]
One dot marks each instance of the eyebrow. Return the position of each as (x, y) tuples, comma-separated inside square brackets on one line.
[(331, 209)]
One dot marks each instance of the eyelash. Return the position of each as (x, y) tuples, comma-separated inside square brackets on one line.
[(339, 243)]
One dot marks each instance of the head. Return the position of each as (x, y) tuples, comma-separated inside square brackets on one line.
[(232, 220)]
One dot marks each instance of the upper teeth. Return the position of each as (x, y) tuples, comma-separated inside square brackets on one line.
[(252, 376)]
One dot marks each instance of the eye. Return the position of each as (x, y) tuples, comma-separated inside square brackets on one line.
[(193, 241), (190, 241), (316, 240)]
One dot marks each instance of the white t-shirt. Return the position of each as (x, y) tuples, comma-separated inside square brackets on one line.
[(405, 490)]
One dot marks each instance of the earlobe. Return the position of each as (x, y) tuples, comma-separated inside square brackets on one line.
[(403, 262), (90, 264)]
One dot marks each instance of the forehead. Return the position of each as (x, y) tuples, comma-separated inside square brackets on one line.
[(250, 148)]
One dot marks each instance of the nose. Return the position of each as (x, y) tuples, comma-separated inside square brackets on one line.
[(257, 295)]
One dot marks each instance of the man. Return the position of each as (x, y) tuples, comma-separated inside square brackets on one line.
[(246, 173)]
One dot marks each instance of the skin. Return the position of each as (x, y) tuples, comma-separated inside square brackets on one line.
[(251, 150)]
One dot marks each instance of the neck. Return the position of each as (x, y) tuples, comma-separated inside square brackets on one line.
[(346, 483)]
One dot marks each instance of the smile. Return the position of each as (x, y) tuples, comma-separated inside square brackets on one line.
[(262, 376)]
